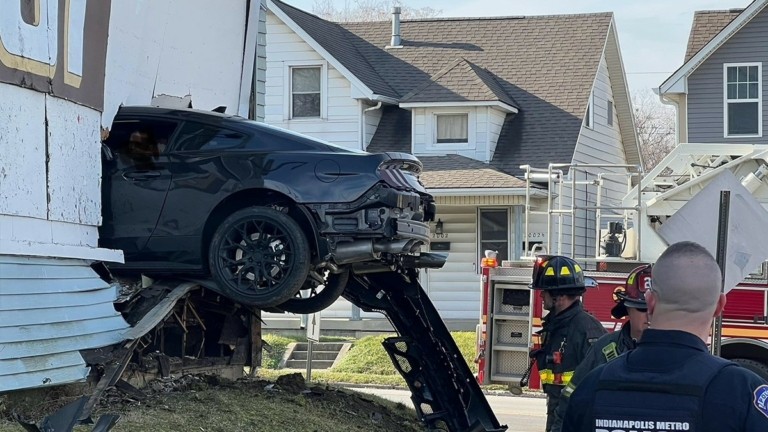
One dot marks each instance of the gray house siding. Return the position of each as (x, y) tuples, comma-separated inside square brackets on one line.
[(705, 84)]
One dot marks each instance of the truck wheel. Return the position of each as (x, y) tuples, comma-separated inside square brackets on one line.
[(318, 298), (259, 257), (755, 366)]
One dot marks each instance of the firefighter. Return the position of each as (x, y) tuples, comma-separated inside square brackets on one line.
[(630, 302), (671, 382), (568, 330)]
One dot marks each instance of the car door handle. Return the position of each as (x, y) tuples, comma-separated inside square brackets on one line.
[(141, 175)]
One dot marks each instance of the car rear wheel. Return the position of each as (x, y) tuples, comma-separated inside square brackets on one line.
[(319, 296), (259, 256)]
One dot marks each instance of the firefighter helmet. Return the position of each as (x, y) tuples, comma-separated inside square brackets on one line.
[(555, 272), (632, 294)]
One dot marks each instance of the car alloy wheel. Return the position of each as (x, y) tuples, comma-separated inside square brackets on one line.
[(259, 256), (316, 295)]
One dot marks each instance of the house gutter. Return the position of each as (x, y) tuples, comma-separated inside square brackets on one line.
[(485, 192)]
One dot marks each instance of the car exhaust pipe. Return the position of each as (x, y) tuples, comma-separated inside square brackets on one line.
[(366, 250)]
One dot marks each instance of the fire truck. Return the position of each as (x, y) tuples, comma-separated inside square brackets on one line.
[(626, 235)]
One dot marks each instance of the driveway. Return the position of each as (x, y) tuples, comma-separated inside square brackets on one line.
[(519, 413)]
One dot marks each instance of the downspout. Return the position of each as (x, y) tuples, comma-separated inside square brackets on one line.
[(365, 112), (670, 102)]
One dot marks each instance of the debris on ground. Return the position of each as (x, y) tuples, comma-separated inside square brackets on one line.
[(211, 403)]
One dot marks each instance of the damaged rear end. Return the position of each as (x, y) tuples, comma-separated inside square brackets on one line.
[(388, 223)]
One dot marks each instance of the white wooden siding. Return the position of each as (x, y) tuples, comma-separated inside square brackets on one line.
[(341, 122), (455, 288), (372, 118), (423, 133), (495, 122), (601, 144), (50, 309)]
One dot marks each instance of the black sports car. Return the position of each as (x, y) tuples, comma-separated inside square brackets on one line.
[(264, 212)]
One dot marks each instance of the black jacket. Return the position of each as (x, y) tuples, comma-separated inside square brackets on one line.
[(572, 331), (730, 399), (604, 350)]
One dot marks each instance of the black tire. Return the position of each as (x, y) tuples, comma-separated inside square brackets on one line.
[(755, 366), (259, 257), (318, 300)]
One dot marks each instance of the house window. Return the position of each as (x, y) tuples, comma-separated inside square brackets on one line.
[(610, 113), (589, 118), (452, 128), (305, 91), (743, 101), (494, 232)]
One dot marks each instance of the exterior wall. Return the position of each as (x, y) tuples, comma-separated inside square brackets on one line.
[(705, 85), (156, 48), (49, 310), (495, 122), (600, 144), (483, 132), (340, 122), (371, 119)]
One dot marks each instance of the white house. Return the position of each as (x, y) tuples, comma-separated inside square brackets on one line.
[(474, 99)]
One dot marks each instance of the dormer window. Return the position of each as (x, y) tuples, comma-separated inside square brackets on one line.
[(452, 128)]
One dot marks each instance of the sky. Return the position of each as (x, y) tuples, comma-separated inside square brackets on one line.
[(652, 33)]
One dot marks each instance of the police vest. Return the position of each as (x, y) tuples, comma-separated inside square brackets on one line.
[(653, 401)]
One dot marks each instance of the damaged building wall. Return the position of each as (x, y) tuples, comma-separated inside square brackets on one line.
[(175, 48), (52, 304)]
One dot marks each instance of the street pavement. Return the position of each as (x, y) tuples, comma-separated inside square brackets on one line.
[(519, 413)]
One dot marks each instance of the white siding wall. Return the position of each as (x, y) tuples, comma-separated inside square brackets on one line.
[(158, 48), (423, 133), (455, 288), (601, 144), (341, 120), (372, 118), (495, 122)]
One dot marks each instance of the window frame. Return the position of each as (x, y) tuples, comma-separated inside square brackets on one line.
[(431, 141), (759, 100), (437, 118), (480, 240), (288, 89)]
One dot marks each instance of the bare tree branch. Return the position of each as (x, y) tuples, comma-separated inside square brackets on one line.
[(369, 10), (655, 125)]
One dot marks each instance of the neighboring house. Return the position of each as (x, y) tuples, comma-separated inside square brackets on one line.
[(474, 99), (718, 92)]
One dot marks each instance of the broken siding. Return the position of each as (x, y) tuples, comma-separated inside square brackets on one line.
[(341, 122), (705, 85), (601, 144), (50, 309), (157, 48)]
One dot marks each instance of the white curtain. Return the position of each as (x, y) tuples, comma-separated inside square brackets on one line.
[(452, 128)]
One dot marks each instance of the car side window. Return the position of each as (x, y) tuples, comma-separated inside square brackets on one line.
[(267, 141), (201, 137), (139, 142)]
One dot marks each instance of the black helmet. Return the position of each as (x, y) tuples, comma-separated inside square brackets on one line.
[(559, 273), (632, 294)]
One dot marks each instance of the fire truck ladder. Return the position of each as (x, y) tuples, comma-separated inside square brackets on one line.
[(444, 391), (555, 177)]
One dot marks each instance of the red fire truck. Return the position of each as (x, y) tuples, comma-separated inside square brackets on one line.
[(511, 313)]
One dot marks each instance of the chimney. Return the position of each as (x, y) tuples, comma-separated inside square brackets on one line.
[(395, 26)]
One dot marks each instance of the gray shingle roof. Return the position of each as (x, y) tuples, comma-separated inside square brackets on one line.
[(706, 25), (460, 81), (454, 171), (545, 65)]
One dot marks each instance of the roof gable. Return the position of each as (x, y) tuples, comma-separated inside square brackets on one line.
[(676, 83), (705, 26), (460, 81)]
